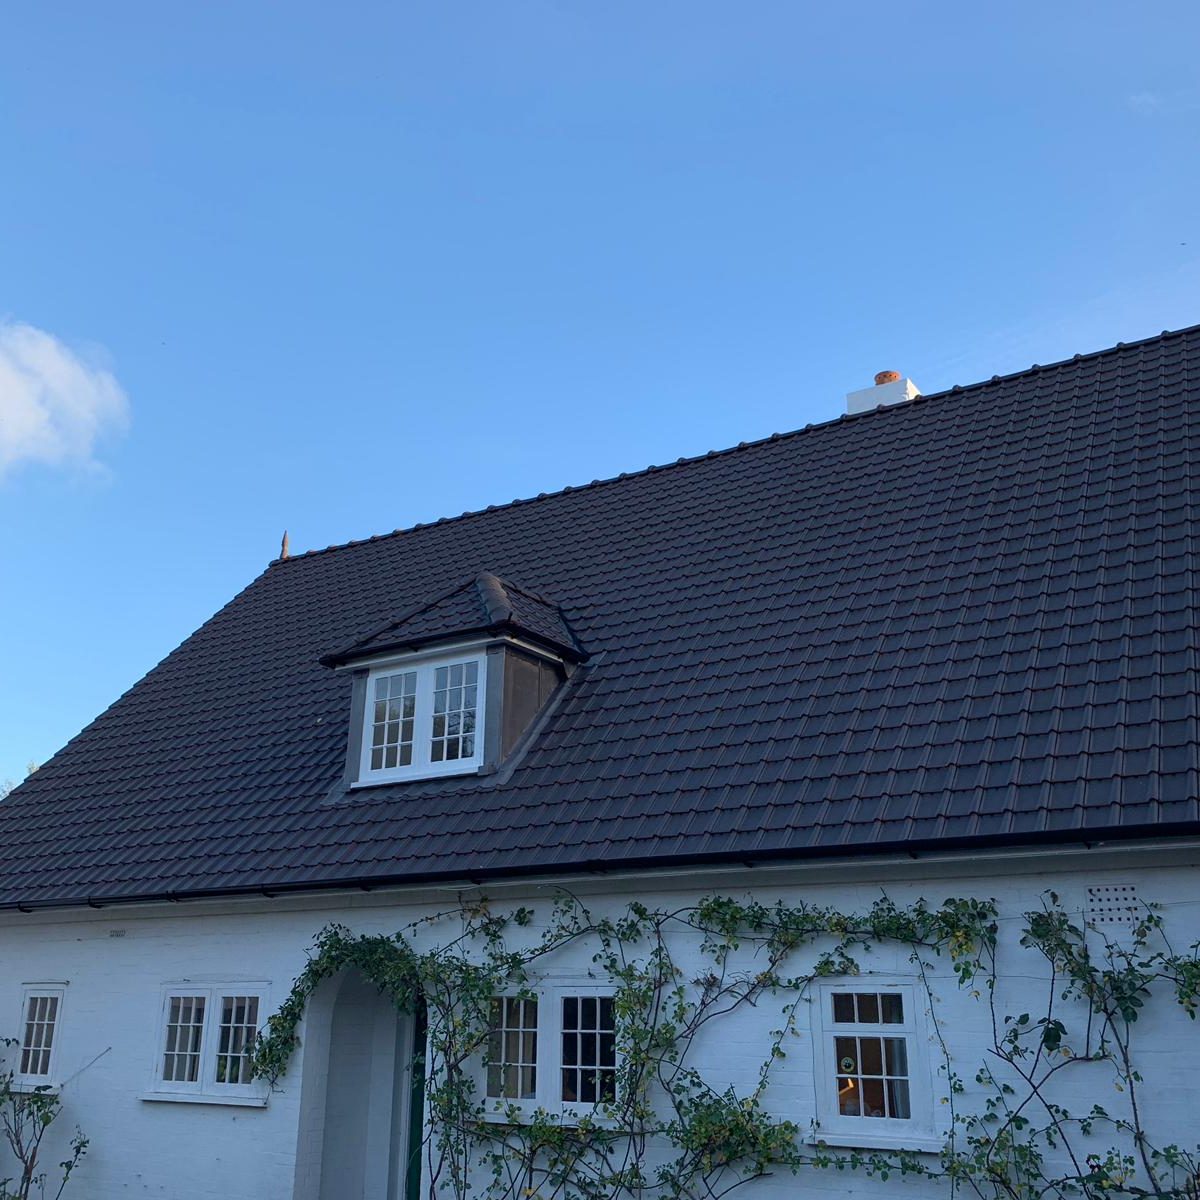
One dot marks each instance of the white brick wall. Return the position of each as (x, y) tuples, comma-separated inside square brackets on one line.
[(108, 1047)]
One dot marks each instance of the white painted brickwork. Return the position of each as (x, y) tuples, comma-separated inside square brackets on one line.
[(114, 964)]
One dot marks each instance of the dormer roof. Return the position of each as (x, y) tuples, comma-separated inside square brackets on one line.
[(485, 605)]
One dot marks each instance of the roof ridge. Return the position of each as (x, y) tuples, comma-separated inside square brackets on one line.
[(812, 427), (494, 596)]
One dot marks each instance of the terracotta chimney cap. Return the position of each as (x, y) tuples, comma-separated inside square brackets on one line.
[(890, 388)]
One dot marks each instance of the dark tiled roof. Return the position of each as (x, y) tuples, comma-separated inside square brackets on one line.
[(483, 604), (966, 619)]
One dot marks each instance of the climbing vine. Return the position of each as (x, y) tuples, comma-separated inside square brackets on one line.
[(677, 975)]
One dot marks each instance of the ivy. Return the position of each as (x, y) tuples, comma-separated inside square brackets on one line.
[(668, 1133)]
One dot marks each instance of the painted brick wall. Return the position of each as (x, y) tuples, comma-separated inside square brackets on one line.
[(108, 1050)]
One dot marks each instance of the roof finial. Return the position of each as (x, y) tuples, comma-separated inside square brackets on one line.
[(283, 546)]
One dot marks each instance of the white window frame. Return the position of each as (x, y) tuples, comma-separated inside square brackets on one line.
[(25, 1079), (547, 1096), (206, 1089), (422, 766), (920, 1132)]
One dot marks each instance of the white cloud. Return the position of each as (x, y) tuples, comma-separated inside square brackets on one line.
[(1146, 103), (54, 406)]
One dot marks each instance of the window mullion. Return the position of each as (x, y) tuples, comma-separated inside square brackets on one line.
[(423, 725), (549, 1086), (207, 1074)]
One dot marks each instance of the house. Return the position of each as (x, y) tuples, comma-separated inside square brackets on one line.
[(816, 816)]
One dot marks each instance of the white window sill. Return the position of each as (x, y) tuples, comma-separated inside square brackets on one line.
[(26, 1087), (565, 1118), (474, 768), (869, 1139), (511, 1112), (242, 1101)]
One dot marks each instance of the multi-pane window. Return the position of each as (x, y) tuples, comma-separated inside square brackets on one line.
[(208, 1037), (455, 702), (236, 1034), (395, 706), (512, 1049), (872, 1068), (37, 1038), (423, 719), (554, 1051), (185, 1030), (589, 1056), (872, 1080)]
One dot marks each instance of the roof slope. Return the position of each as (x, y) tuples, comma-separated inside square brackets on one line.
[(967, 617)]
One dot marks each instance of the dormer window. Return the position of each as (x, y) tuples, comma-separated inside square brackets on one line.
[(424, 682), (423, 719)]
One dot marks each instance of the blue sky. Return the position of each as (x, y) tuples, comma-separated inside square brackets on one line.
[(345, 268)]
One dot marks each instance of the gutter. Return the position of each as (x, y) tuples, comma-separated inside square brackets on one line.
[(928, 848)]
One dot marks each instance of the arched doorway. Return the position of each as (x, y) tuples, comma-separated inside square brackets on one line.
[(360, 1102)]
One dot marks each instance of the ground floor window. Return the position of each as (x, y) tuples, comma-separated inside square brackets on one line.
[(553, 1048), (40, 1009), (871, 1073), (207, 1037)]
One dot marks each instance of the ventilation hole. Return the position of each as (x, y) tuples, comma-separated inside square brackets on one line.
[(1112, 904)]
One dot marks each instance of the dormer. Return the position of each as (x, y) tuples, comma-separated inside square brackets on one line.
[(452, 687)]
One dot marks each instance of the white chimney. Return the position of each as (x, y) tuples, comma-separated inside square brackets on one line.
[(889, 388)]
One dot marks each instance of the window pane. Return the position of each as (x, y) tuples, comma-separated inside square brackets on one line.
[(893, 1008), (897, 1056), (849, 1097), (872, 1098), (847, 1055), (871, 1054), (843, 1007), (898, 1106), (868, 1008)]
